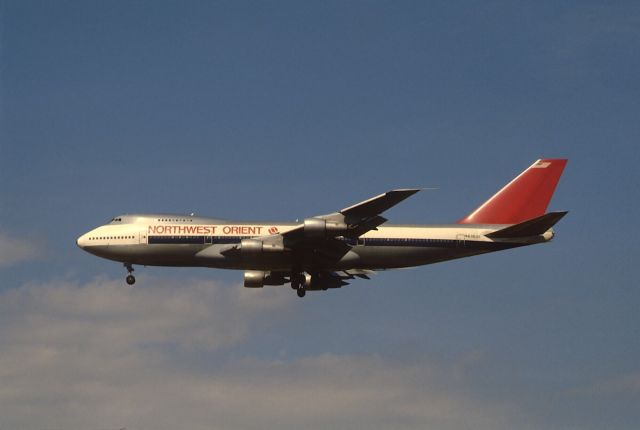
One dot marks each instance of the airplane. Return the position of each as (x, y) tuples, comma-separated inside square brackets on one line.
[(327, 251)]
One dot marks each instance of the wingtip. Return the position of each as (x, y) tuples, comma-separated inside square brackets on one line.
[(408, 191)]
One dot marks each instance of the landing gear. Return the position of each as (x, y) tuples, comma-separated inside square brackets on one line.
[(297, 283), (130, 278)]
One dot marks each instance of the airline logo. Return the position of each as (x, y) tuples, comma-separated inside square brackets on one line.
[(273, 230), (541, 165), (236, 230)]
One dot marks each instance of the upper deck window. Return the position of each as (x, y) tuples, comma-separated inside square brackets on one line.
[(175, 220)]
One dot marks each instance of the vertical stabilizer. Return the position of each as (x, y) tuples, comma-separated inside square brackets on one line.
[(522, 199)]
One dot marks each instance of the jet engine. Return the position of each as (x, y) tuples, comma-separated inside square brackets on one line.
[(256, 247), (318, 228), (259, 278)]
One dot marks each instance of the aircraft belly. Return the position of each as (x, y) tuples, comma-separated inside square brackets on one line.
[(359, 257), (149, 255)]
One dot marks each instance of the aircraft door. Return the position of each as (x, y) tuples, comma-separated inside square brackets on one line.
[(142, 238), (460, 240)]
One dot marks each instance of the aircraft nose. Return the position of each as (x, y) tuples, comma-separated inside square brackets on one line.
[(81, 241)]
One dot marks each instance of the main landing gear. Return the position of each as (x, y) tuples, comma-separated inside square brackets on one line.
[(297, 283), (130, 278)]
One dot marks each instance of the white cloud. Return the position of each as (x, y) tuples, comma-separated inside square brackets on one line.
[(102, 355), (175, 353), (105, 315), (14, 251)]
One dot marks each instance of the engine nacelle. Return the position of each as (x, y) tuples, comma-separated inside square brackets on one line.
[(259, 278), (318, 228), (257, 247)]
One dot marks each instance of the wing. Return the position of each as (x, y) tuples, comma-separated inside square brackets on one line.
[(324, 239), (351, 222), (376, 205)]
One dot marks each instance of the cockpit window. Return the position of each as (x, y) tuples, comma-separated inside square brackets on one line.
[(115, 220)]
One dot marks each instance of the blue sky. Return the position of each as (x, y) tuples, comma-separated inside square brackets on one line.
[(255, 110)]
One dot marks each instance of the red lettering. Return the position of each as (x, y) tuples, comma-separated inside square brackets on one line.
[(243, 230), (193, 229)]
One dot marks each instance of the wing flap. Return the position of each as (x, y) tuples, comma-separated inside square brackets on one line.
[(324, 280)]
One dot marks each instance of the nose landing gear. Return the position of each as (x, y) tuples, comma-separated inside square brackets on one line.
[(130, 278)]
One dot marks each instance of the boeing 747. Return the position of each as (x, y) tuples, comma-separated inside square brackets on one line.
[(328, 251)]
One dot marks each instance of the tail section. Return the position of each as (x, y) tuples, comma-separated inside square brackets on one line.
[(524, 198)]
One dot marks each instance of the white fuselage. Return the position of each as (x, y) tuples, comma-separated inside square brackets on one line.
[(171, 240)]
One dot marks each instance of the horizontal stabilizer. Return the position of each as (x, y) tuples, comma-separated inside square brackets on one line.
[(533, 227)]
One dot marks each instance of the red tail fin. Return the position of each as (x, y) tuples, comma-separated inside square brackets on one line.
[(524, 198)]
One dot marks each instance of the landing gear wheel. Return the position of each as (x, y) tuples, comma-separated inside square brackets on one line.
[(301, 292), (130, 278)]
